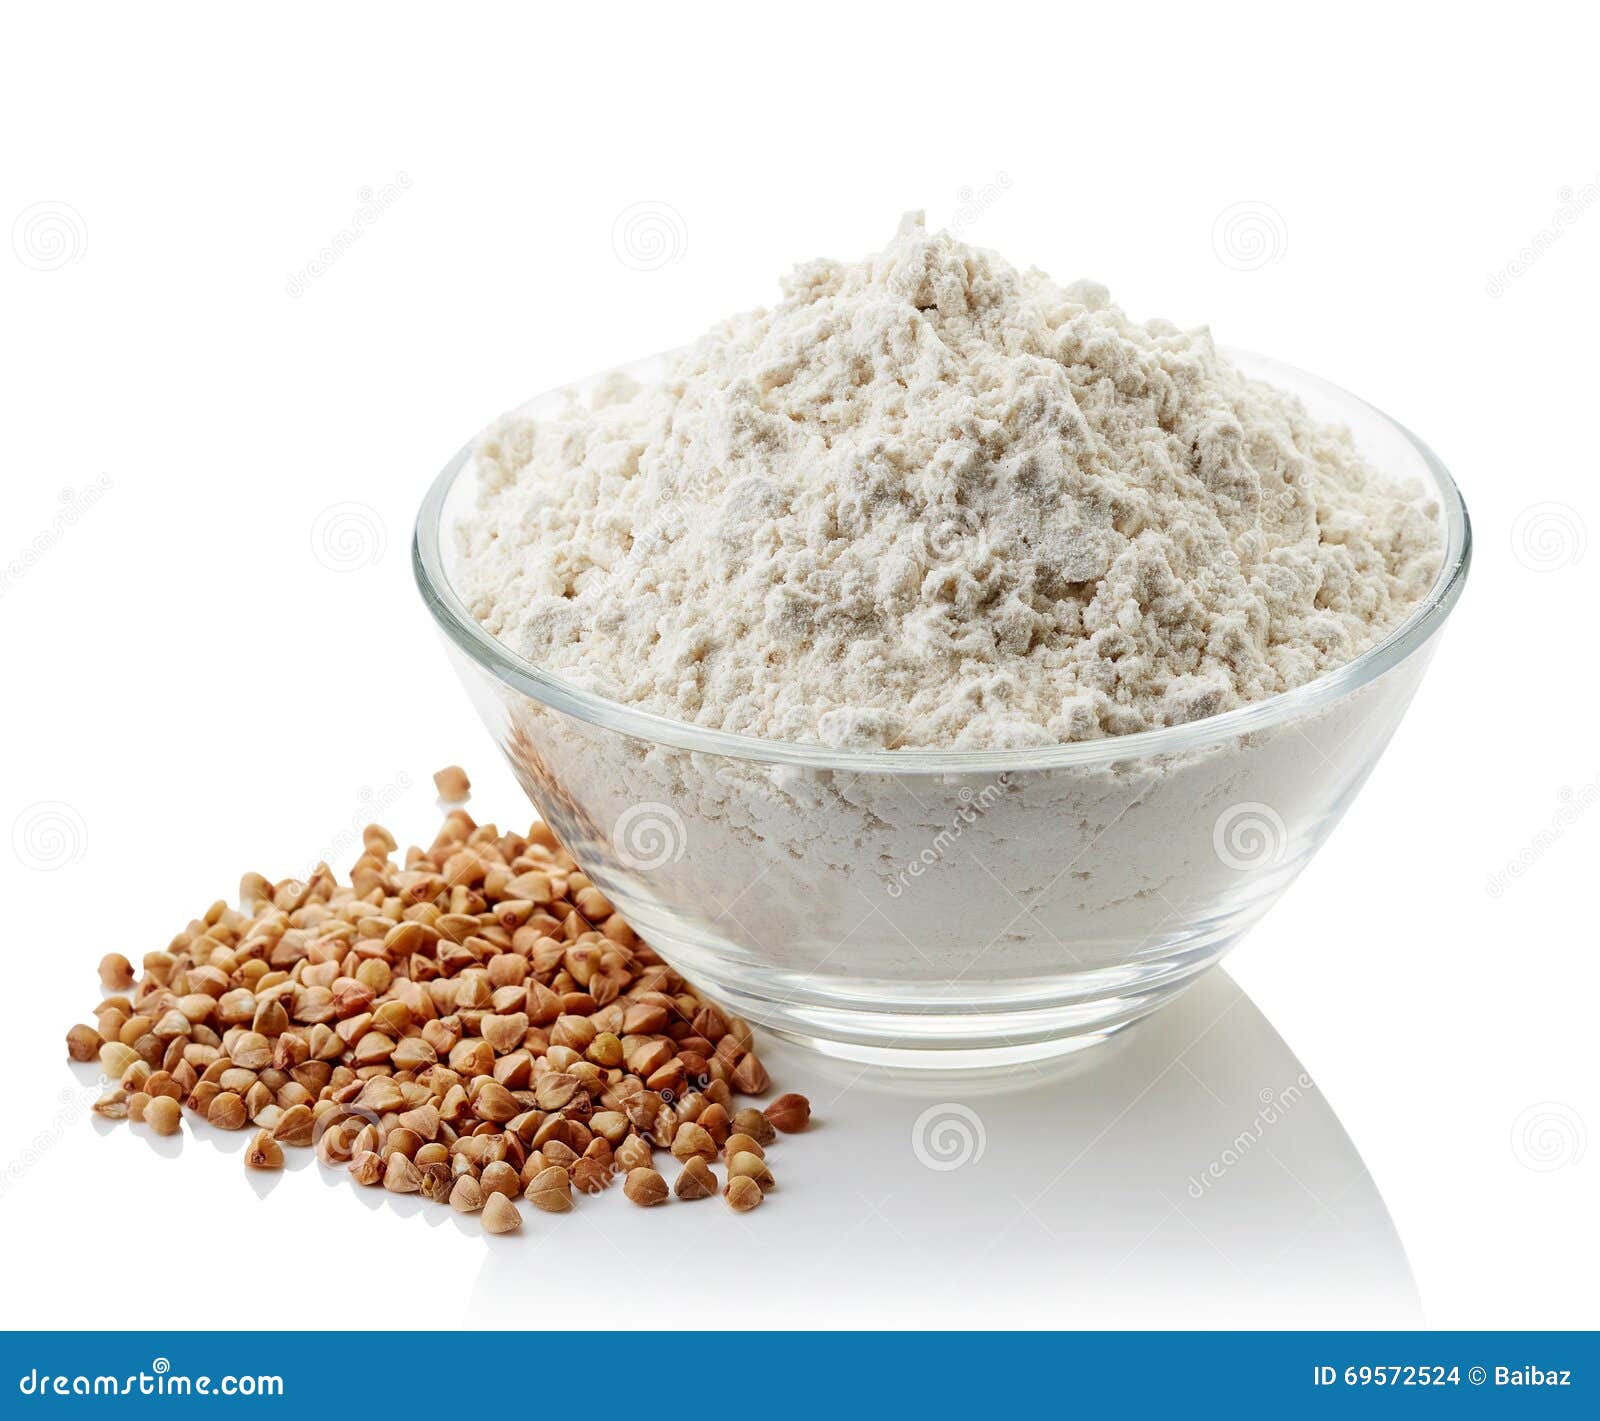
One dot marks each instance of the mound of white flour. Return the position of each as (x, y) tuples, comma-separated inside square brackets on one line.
[(930, 501)]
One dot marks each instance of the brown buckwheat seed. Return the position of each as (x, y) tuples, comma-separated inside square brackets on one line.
[(264, 1152), (645, 1187), (692, 1142), (452, 783), (593, 1176), (633, 1153), (696, 1182), (790, 1113), (116, 972), (500, 1215), (115, 1058), (551, 1190), (500, 1178), (754, 1123), (83, 1043), (227, 1112), (750, 1166), (164, 1115)]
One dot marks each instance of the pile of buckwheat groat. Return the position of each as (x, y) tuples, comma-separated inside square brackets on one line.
[(475, 1024)]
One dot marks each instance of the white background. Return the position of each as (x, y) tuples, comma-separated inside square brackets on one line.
[(206, 670)]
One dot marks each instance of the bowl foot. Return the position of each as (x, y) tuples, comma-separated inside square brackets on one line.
[(941, 1026), (926, 1058)]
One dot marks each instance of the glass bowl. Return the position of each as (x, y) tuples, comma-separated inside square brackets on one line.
[(949, 908)]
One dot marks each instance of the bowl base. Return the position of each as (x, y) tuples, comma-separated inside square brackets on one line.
[(941, 1027), (924, 1058)]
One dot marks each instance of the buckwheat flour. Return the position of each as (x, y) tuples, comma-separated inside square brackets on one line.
[(930, 501)]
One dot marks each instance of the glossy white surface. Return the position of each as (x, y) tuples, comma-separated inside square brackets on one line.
[(1190, 1170), (219, 659)]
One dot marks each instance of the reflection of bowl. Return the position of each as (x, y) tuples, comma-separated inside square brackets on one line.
[(950, 907)]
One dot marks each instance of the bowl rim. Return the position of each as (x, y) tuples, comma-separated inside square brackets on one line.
[(465, 633)]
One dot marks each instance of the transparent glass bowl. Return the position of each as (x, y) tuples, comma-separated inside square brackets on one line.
[(950, 908)]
